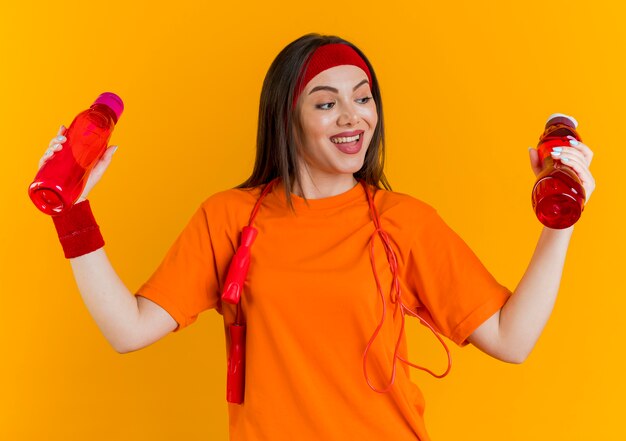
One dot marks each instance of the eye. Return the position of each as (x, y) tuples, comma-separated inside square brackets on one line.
[(325, 106), (364, 100)]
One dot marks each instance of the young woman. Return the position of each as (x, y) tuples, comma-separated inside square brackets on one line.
[(336, 263)]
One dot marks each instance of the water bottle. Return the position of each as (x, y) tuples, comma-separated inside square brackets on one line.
[(558, 196), (61, 180)]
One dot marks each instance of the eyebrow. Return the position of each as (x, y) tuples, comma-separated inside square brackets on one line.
[(332, 89)]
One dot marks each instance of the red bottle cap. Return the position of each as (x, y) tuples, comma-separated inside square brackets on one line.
[(112, 101)]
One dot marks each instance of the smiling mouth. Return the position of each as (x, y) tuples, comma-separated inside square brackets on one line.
[(346, 139), (349, 145)]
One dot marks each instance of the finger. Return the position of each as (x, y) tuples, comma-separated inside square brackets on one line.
[(61, 130), (49, 152), (583, 148), (111, 150), (52, 149), (55, 148), (104, 162), (585, 151), (535, 160), (568, 152), (108, 154), (45, 157), (582, 171), (59, 139), (579, 166)]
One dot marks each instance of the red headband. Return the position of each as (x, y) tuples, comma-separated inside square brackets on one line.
[(325, 57)]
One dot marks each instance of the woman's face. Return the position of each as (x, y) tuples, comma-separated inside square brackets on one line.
[(338, 116)]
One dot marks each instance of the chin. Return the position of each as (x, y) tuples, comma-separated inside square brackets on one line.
[(350, 169)]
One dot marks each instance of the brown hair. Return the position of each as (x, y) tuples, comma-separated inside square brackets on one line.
[(276, 153)]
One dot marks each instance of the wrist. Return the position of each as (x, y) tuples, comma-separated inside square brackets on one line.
[(78, 231), (556, 237), (562, 231)]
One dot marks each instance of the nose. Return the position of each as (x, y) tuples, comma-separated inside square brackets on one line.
[(349, 115)]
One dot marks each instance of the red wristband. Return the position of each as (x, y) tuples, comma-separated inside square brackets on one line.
[(78, 231)]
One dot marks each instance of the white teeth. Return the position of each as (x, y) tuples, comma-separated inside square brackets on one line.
[(345, 139)]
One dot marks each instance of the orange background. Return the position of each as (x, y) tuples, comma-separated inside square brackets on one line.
[(467, 87)]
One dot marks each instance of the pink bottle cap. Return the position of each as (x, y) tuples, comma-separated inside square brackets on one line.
[(112, 101)]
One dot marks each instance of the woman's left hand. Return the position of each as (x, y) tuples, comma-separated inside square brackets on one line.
[(577, 156)]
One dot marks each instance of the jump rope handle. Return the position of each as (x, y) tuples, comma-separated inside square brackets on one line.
[(235, 379), (233, 287), (237, 272), (239, 267)]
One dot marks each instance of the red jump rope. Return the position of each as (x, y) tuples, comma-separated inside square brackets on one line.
[(233, 288)]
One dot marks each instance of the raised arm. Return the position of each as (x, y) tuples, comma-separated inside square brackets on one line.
[(512, 332), (128, 322)]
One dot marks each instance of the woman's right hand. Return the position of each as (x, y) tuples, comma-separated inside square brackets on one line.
[(56, 144)]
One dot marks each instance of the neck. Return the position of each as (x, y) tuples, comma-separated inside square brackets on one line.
[(323, 187)]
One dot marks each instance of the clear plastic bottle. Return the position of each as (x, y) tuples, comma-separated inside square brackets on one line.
[(558, 196), (61, 180)]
